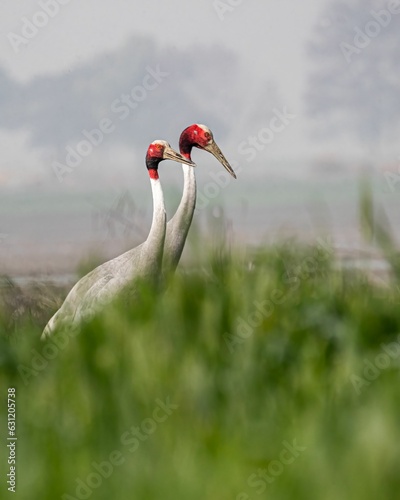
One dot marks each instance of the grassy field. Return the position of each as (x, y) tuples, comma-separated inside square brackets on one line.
[(274, 375)]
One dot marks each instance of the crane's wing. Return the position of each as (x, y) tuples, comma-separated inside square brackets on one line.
[(94, 290)]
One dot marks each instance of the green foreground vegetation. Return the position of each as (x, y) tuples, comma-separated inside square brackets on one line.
[(278, 379), (275, 376)]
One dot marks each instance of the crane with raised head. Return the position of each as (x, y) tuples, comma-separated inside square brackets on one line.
[(113, 277), (194, 136)]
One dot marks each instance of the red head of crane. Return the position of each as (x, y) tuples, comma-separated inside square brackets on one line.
[(200, 136)]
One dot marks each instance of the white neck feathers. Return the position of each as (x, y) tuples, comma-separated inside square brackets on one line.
[(155, 240)]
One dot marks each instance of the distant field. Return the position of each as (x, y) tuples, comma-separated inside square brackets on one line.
[(51, 233)]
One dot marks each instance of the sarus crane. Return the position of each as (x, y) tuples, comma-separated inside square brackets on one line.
[(194, 136), (110, 279)]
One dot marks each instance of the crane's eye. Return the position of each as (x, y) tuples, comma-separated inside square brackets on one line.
[(207, 134), (159, 147)]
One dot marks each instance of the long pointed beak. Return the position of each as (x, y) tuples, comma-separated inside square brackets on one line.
[(214, 149), (171, 154)]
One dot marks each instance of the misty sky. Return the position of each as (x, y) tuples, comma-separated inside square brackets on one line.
[(231, 69)]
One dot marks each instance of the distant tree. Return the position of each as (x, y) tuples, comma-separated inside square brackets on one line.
[(355, 86)]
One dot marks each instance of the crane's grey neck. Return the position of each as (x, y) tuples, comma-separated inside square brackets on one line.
[(178, 227), (188, 201)]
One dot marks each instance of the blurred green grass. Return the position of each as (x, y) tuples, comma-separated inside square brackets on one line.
[(244, 383), (273, 374)]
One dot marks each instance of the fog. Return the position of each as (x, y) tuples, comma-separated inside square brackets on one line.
[(302, 99)]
